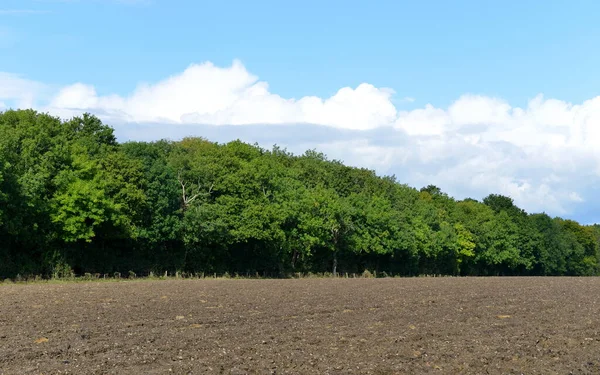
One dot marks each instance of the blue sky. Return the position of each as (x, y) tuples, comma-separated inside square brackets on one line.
[(465, 111), (433, 51)]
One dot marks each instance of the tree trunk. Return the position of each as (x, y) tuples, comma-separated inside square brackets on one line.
[(294, 258), (335, 264)]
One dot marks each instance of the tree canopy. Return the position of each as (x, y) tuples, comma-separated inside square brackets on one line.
[(74, 200)]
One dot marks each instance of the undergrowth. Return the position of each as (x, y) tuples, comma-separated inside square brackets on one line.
[(132, 276)]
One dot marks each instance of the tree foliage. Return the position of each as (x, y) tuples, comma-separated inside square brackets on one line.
[(73, 198)]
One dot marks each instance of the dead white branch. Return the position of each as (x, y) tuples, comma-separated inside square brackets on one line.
[(187, 199)]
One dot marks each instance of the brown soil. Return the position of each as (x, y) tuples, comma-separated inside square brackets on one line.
[(309, 326)]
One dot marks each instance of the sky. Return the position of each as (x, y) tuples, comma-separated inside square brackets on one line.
[(475, 97)]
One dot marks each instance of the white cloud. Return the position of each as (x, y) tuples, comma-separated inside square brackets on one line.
[(21, 91), (364, 153), (425, 121), (545, 155), (575, 197), (208, 94), (478, 110)]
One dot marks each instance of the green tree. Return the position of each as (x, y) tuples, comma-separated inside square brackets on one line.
[(73, 198)]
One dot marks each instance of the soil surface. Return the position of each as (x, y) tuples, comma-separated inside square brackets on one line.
[(306, 326)]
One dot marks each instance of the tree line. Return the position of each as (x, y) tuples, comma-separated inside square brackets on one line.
[(74, 200)]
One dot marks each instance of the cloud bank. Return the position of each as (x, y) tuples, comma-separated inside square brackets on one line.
[(206, 94), (545, 155)]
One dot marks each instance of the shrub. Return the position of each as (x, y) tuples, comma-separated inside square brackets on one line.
[(367, 274), (62, 270)]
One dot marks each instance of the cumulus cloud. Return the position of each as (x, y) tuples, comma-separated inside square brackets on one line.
[(208, 94), (545, 155)]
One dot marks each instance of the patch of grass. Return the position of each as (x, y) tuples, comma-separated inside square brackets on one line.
[(179, 275)]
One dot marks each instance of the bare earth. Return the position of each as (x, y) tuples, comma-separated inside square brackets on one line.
[(307, 326)]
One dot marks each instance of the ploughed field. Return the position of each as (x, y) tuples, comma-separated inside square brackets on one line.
[(303, 326)]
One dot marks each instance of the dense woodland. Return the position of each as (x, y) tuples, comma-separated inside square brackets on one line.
[(73, 200)]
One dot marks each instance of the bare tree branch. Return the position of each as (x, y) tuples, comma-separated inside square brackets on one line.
[(184, 195)]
